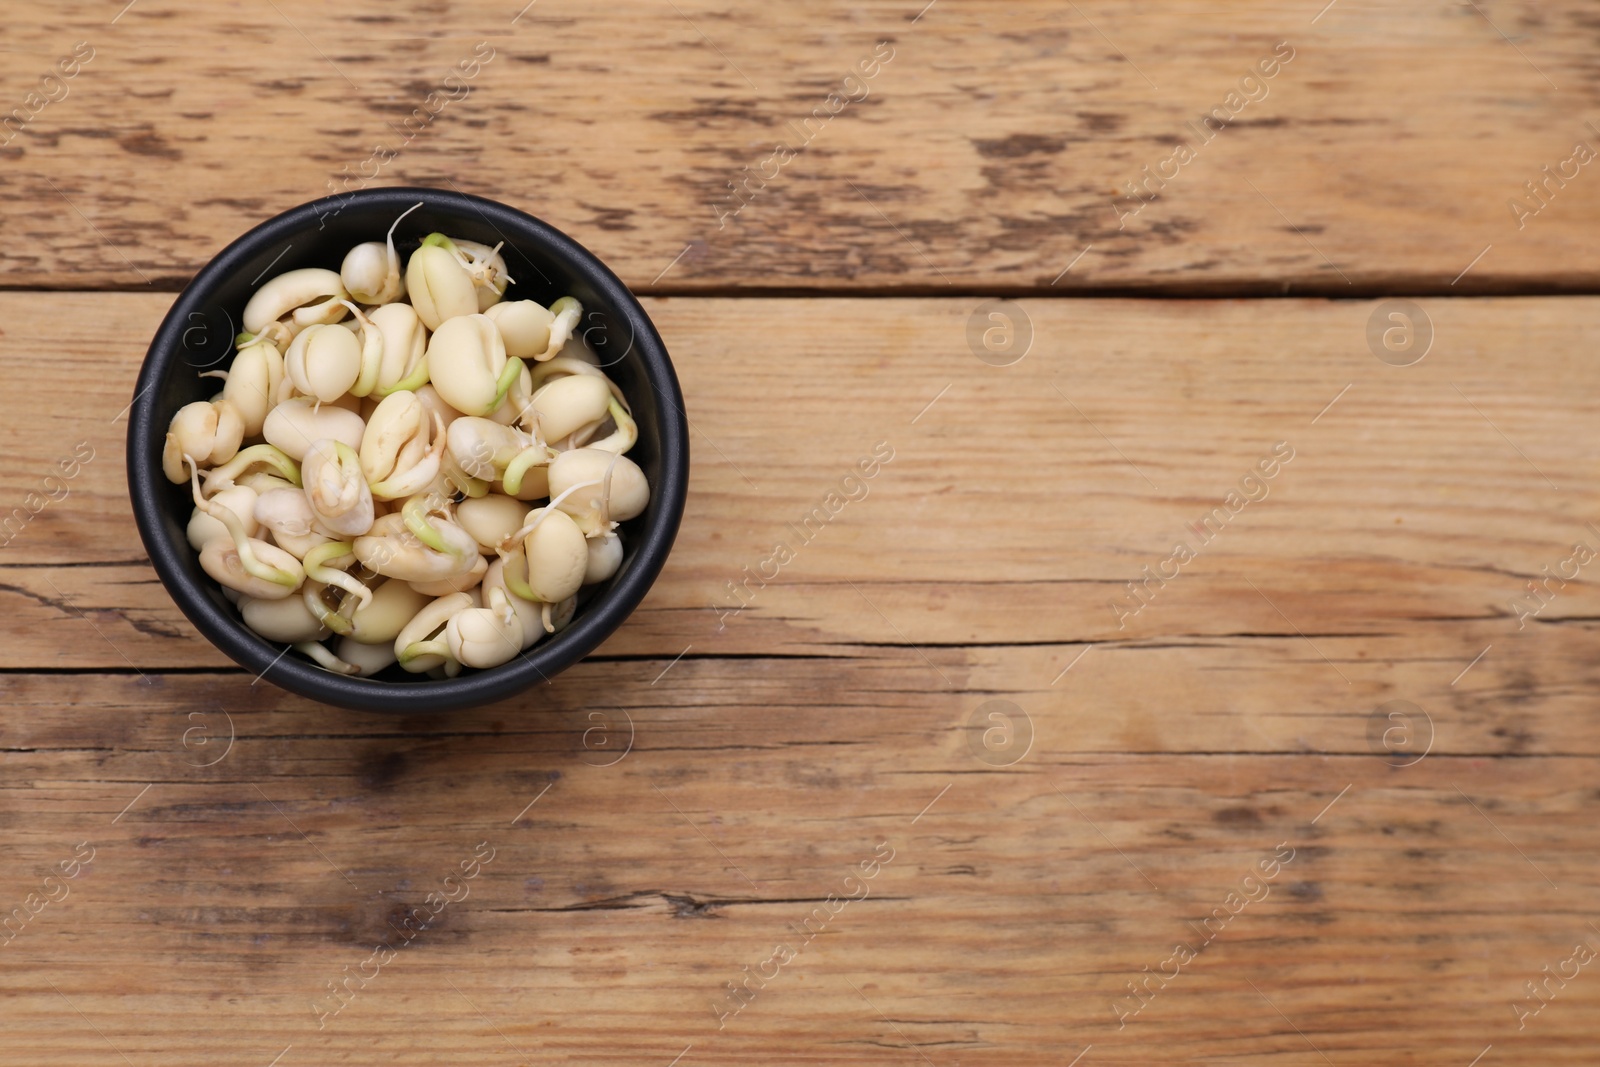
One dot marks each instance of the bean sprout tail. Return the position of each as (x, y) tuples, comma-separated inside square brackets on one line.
[(323, 564), (325, 658), (241, 541)]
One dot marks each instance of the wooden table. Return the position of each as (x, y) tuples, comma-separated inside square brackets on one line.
[(945, 788)]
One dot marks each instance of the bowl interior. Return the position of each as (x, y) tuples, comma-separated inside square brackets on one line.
[(198, 336)]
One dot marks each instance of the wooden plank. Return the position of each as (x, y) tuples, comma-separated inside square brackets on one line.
[(623, 896), (1020, 501), (1339, 674), (988, 152), (1269, 693), (660, 824)]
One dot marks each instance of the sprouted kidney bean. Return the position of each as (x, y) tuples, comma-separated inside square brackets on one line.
[(403, 468)]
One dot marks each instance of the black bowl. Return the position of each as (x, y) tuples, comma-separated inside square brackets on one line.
[(198, 334)]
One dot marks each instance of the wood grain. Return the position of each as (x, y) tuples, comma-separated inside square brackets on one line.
[(696, 792), (986, 154), (1016, 507), (1018, 903), (1071, 777)]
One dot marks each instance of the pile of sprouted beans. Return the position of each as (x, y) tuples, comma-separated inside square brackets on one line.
[(408, 468)]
